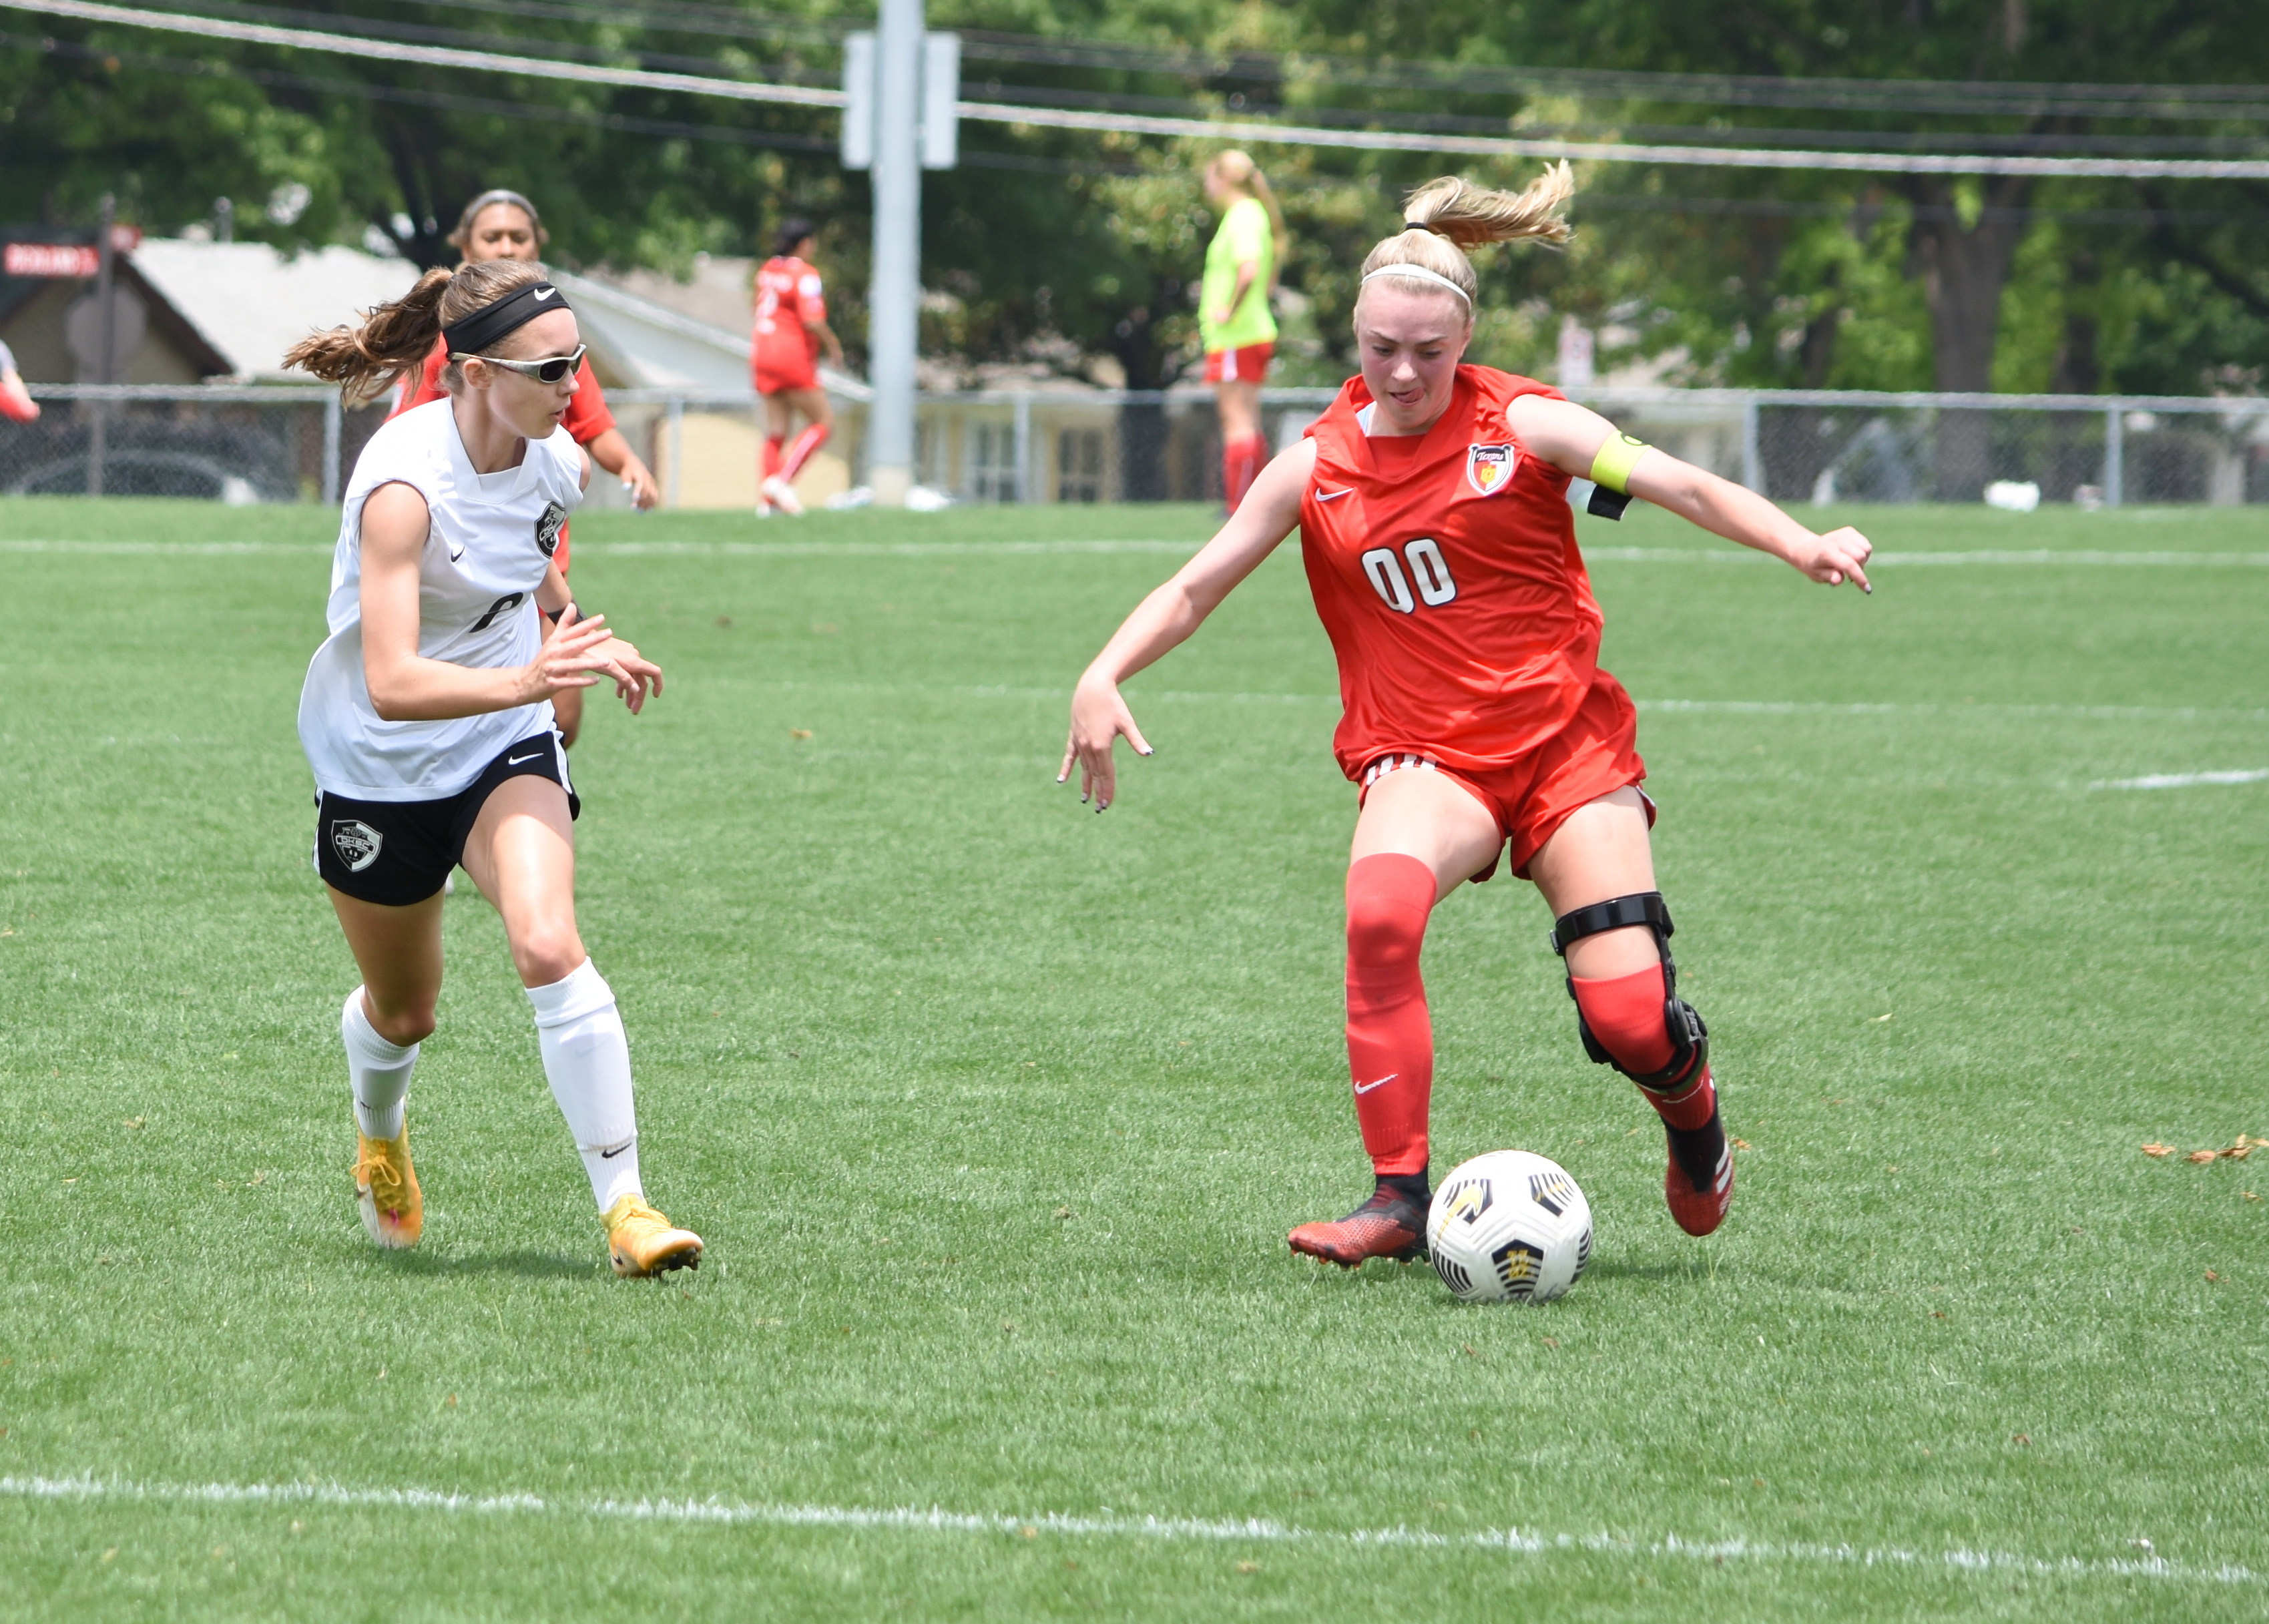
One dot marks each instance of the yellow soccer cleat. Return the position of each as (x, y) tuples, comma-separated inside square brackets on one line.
[(385, 1189), (640, 1241)]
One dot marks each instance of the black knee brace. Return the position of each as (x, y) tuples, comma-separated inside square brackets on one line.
[(1690, 1040)]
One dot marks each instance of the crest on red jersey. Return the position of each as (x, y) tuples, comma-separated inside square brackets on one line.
[(1488, 468)]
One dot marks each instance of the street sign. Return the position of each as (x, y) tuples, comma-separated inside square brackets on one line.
[(938, 124), (68, 260)]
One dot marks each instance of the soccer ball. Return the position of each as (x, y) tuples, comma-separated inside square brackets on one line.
[(1510, 1225)]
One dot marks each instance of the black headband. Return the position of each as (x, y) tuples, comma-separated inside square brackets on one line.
[(470, 335)]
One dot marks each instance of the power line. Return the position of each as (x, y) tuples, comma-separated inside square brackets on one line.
[(1260, 133), (2000, 98), (1185, 105), (535, 112)]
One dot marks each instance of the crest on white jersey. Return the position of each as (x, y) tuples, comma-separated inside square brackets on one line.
[(547, 527), (1488, 468), (356, 842)]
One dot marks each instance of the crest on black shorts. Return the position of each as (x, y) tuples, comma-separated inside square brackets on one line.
[(547, 527), (1488, 468), (356, 842)]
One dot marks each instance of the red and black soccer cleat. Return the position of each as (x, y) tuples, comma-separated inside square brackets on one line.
[(1699, 1182), (1391, 1224)]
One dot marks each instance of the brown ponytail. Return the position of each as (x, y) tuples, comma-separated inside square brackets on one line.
[(395, 338), (1447, 216)]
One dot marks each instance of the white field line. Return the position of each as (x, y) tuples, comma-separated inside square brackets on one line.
[(917, 550), (1730, 707), (2184, 781), (1258, 1531)]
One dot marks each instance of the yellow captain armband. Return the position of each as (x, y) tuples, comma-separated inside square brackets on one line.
[(1612, 468)]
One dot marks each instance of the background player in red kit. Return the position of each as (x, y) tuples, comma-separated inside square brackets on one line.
[(502, 225), (791, 331), (1432, 504)]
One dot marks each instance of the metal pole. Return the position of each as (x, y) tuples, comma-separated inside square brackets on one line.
[(2114, 457), (1753, 461), (334, 419), (1023, 448), (98, 446), (677, 443), (894, 295)]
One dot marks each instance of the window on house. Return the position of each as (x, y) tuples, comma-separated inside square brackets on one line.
[(1079, 465), (993, 462)]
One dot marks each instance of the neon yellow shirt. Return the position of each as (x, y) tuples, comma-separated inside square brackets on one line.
[(1244, 235)]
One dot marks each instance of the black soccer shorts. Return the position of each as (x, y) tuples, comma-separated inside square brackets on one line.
[(396, 853)]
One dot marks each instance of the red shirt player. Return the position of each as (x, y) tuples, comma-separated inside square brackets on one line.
[(502, 225), (791, 331), (1432, 502)]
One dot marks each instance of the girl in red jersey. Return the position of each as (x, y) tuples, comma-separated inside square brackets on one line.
[(502, 225), (791, 331), (1432, 502)]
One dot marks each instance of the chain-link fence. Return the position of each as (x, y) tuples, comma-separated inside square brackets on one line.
[(1830, 446), (237, 445), (248, 444)]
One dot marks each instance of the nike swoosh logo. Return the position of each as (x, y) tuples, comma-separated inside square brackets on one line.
[(1365, 1088), (609, 1156), (543, 293), (514, 761), (1323, 495), (456, 553)]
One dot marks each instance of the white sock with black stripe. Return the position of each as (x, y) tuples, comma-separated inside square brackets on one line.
[(379, 1072), (586, 1058)]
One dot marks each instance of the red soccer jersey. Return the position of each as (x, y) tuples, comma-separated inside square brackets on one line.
[(787, 295), (1444, 568), (587, 416)]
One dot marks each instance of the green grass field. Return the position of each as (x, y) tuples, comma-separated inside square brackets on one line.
[(994, 1112)]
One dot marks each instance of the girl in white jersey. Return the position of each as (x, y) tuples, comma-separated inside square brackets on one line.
[(427, 719)]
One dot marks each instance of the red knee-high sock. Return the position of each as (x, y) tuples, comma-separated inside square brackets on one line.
[(810, 440), (1390, 1037), (1241, 466), (1625, 1015), (772, 444)]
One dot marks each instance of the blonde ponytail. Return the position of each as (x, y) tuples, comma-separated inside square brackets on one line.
[(1447, 216), (1470, 215), (395, 338), (1238, 168)]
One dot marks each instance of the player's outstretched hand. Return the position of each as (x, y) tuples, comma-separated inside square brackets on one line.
[(579, 652), (1098, 716), (1838, 557)]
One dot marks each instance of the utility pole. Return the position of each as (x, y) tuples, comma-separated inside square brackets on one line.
[(903, 89), (99, 427), (894, 297)]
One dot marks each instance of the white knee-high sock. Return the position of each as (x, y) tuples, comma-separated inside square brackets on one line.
[(379, 1070), (587, 1058)]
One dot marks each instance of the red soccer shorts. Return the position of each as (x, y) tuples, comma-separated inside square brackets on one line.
[(1249, 365), (1596, 754), (777, 374)]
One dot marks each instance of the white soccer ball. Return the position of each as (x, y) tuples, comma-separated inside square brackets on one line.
[(1509, 1226)]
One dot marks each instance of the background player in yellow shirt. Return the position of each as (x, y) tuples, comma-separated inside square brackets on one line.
[(1233, 314)]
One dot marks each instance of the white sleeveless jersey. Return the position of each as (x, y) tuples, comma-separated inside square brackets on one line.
[(491, 540)]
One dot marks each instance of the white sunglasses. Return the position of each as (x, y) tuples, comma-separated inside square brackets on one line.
[(550, 369)]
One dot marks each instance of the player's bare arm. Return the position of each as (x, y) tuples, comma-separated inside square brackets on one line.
[(1570, 437), (405, 686), (611, 451), (1099, 713), (826, 336)]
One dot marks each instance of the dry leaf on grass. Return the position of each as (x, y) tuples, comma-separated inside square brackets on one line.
[(2158, 1150), (2202, 1157), (2213, 1278), (2249, 1195), (1743, 1144)]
